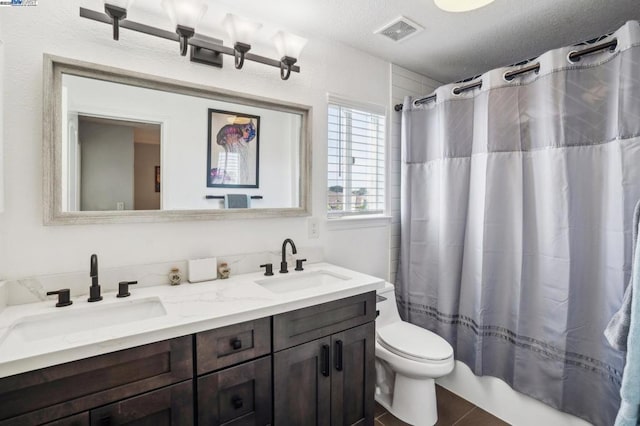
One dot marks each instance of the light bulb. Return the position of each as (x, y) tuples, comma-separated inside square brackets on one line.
[(288, 44), (186, 13), (240, 30)]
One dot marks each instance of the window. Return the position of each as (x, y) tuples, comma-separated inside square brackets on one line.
[(356, 150)]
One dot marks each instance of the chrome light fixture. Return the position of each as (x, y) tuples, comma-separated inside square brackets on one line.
[(185, 15), (241, 32), (289, 47)]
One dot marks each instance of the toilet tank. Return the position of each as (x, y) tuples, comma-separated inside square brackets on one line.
[(386, 305)]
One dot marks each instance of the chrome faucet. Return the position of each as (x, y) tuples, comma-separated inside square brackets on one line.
[(94, 290), (283, 264)]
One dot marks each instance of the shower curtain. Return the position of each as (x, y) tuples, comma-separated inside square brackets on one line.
[(517, 201)]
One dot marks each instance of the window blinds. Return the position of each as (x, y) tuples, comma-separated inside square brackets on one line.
[(356, 160)]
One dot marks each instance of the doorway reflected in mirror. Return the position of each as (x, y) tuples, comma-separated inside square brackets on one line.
[(113, 165)]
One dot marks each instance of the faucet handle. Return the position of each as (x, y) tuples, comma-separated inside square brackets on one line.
[(64, 297), (268, 269), (299, 264), (123, 288)]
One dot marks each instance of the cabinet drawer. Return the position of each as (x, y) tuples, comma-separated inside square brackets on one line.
[(81, 419), (303, 325), (231, 345), (236, 396), (172, 405), (55, 392)]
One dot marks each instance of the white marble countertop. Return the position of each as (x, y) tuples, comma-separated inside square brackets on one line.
[(190, 308)]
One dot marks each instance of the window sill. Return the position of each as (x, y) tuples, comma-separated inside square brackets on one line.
[(355, 222)]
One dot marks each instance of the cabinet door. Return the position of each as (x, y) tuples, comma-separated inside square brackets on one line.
[(53, 393), (353, 376), (236, 396), (302, 384), (172, 405)]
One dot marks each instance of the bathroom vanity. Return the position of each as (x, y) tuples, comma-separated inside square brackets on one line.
[(279, 354)]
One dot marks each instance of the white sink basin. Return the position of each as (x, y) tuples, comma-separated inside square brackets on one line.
[(297, 281), (87, 319)]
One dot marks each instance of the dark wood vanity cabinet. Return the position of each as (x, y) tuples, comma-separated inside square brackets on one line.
[(81, 419), (231, 345), (235, 396), (234, 375), (172, 405), (353, 377), (329, 380), (58, 392), (310, 366)]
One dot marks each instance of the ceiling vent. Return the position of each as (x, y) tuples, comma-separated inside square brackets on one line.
[(400, 29)]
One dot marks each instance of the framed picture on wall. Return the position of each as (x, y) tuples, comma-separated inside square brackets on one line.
[(233, 150)]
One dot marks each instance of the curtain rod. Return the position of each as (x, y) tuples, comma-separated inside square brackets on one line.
[(574, 56)]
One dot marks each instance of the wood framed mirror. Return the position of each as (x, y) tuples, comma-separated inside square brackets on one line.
[(122, 146)]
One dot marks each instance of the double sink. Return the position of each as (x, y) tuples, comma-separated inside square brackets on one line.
[(34, 328)]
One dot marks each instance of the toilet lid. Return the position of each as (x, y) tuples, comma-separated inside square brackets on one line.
[(408, 339)]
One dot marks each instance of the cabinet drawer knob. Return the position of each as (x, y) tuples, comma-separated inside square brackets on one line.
[(237, 403), (236, 344)]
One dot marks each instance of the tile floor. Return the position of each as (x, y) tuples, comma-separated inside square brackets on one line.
[(452, 410)]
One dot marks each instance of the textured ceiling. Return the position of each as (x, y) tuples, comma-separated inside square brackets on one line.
[(452, 46)]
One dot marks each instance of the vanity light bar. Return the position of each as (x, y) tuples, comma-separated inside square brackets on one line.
[(204, 50)]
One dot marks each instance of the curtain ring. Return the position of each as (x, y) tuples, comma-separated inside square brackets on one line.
[(571, 61)]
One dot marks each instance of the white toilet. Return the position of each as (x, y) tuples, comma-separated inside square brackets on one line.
[(408, 360)]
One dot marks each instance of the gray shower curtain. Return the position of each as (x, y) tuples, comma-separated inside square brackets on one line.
[(517, 201)]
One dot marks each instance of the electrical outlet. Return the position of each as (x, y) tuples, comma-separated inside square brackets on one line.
[(314, 227), (120, 205)]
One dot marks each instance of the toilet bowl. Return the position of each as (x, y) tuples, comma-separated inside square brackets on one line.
[(408, 360)]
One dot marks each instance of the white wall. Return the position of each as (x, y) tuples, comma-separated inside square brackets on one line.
[(56, 28), (351, 242)]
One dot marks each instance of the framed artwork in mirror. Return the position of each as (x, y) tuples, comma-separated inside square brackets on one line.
[(233, 150)]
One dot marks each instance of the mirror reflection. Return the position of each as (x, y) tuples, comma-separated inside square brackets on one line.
[(113, 165), (126, 147)]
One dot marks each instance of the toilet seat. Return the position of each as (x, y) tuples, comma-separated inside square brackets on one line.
[(415, 343)]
